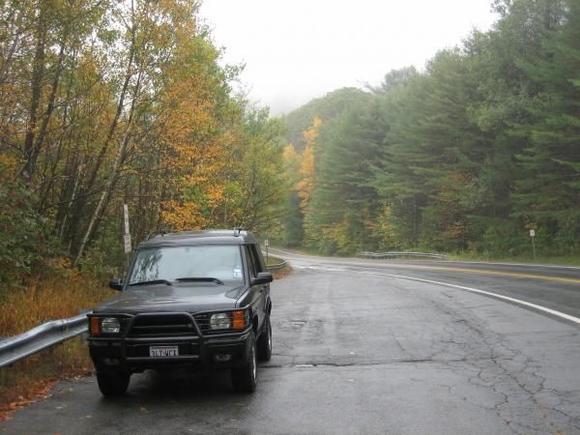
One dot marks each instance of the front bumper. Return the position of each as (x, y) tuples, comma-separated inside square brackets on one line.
[(203, 352)]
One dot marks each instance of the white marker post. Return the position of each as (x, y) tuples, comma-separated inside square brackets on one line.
[(533, 237), (127, 234), (266, 245)]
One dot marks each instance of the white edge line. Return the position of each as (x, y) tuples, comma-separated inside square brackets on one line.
[(495, 295), (484, 292)]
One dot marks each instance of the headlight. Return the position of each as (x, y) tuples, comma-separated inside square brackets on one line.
[(236, 320), (104, 325), (110, 325), (220, 321)]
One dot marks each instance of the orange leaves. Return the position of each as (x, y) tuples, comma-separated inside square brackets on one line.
[(307, 166), (307, 173), (182, 215), (215, 195), (197, 147)]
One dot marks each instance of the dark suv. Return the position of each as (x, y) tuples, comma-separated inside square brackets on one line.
[(195, 299)]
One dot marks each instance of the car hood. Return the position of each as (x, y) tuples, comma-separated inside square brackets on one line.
[(180, 297)]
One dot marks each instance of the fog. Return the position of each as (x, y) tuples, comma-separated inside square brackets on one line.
[(299, 50)]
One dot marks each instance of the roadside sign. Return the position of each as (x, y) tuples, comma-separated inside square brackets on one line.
[(533, 238), (127, 243), (126, 218), (127, 235)]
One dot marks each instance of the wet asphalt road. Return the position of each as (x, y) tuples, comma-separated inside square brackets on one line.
[(554, 287), (357, 350)]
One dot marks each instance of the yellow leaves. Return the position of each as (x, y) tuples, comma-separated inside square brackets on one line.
[(306, 183), (182, 215), (307, 166), (312, 133), (215, 195), (289, 154), (197, 148)]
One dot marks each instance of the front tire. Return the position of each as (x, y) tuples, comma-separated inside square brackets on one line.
[(265, 342), (244, 377), (113, 383)]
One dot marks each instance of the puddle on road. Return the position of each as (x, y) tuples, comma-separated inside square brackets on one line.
[(298, 323)]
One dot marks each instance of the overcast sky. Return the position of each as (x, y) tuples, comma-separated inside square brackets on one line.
[(296, 50)]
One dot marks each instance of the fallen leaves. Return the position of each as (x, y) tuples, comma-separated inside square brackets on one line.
[(33, 379)]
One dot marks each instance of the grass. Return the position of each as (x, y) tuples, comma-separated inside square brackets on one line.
[(61, 293), (58, 292)]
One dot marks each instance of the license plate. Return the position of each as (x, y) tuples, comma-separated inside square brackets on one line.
[(163, 351)]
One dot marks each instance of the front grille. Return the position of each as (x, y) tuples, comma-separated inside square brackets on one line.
[(202, 321), (162, 325)]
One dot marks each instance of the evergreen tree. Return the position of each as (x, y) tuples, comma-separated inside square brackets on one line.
[(549, 191)]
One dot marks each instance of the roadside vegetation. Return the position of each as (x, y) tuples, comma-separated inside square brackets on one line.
[(465, 157), (109, 103), (105, 103)]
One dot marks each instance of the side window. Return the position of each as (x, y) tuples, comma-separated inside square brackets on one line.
[(251, 261), (257, 258)]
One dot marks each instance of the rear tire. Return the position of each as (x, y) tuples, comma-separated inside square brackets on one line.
[(265, 342), (244, 377), (112, 383)]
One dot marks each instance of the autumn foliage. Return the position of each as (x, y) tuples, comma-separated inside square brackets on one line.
[(124, 103)]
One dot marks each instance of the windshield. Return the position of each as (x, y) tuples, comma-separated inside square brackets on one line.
[(172, 263)]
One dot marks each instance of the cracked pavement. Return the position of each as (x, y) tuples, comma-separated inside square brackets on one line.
[(357, 352)]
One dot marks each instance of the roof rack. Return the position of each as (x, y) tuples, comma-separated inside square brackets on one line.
[(237, 231), (156, 234)]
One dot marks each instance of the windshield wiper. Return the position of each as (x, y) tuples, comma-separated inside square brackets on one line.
[(155, 281), (200, 279)]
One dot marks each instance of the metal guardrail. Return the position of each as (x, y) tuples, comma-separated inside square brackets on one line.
[(396, 254), (277, 266), (48, 334)]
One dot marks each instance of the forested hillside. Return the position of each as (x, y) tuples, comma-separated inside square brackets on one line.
[(107, 102), (466, 156)]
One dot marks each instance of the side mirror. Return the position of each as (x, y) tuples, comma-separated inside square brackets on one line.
[(116, 284), (262, 278)]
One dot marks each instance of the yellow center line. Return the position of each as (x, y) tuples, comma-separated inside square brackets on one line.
[(491, 272), (519, 275)]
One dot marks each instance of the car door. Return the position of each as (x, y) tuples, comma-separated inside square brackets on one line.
[(260, 291), (262, 268)]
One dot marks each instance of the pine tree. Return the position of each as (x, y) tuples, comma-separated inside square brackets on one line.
[(549, 191)]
